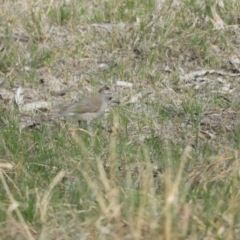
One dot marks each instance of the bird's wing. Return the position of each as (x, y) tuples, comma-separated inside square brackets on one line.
[(83, 106)]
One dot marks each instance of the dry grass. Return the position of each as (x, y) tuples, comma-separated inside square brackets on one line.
[(164, 164)]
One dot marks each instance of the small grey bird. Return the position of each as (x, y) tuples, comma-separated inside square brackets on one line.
[(86, 109)]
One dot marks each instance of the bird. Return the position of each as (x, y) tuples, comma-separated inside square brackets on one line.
[(87, 109)]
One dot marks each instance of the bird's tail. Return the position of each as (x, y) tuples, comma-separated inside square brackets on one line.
[(53, 116)]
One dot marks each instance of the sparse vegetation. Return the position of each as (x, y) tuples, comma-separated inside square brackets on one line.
[(164, 164)]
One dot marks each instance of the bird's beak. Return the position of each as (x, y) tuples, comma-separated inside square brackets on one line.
[(115, 101)]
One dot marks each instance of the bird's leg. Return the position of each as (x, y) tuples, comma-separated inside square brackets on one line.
[(89, 127), (86, 125)]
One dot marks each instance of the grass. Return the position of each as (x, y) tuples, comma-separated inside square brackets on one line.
[(164, 164)]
